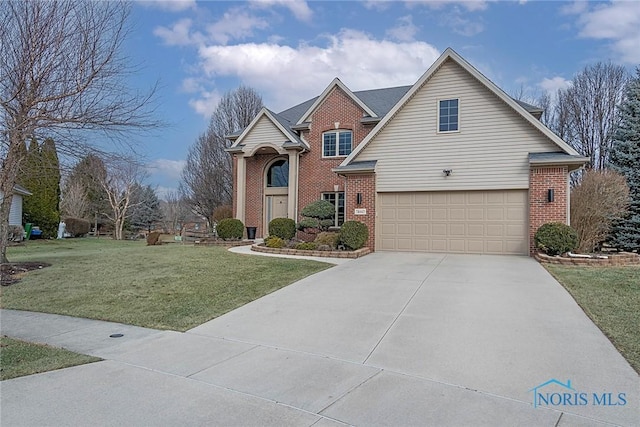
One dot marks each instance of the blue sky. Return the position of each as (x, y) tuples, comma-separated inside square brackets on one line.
[(290, 50)]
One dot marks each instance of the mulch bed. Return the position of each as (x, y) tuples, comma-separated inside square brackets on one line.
[(12, 272)]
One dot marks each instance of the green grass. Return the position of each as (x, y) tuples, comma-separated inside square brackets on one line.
[(611, 298), (170, 286), (19, 358)]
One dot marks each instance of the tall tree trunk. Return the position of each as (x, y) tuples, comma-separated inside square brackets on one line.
[(8, 178)]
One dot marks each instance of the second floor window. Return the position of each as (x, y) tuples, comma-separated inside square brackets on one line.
[(336, 143), (448, 116)]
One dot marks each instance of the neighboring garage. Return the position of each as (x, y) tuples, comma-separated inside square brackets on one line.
[(480, 222)]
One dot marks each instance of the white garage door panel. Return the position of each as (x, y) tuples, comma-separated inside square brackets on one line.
[(490, 222)]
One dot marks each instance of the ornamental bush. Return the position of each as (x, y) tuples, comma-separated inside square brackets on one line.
[(77, 227), (16, 233), (353, 234), (230, 228), (319, 214), (222, 212), (274, 242), (555, 238), (328, 238), (285, 228), (307, 246), (153, 238)]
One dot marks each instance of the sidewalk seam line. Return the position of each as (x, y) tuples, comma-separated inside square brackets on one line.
[(404, 308)]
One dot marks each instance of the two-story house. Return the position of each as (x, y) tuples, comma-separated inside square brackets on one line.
[(450, 164)]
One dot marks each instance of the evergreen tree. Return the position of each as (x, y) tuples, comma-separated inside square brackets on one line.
[(625, 159), (146, 207), (41, 176)]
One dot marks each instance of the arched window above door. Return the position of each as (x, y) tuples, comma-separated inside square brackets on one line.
[(278, 174)]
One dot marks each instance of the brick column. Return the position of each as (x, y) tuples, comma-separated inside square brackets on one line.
[(366, 185), (240, 187), (541, 210)]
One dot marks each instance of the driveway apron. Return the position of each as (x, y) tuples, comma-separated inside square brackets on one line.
[(388, 339)]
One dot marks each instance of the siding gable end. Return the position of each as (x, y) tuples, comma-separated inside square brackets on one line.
[(490, 151)]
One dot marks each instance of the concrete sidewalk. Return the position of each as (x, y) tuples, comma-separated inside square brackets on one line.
[(388, 339)]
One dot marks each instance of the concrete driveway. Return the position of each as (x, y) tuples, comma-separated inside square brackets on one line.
[(388, 339)]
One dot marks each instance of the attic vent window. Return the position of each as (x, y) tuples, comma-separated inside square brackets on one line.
[(448, 115)]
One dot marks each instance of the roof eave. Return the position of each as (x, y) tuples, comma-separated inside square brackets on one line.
[(353, 171)]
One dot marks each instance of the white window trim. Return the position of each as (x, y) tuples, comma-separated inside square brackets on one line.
[(444, 132), (337, 132)]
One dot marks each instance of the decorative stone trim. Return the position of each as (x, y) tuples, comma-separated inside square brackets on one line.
[(223, 243), (324, 254), (620, 259)]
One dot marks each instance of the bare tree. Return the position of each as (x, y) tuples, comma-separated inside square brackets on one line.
[(207, 180), (596, 202), (61, 72), (74, 201), (174, 211), (587, 112), (120, 184)]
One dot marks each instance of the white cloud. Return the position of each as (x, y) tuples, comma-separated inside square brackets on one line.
[(463, 26), (171, 169), (206, 103), (470, 5), (191, 85), (618, 21), (299, 8), (170, 5), (575, 7), (235, 24), (179, 34), (287, 75), (404, 30), (378, 5), (552, 85)]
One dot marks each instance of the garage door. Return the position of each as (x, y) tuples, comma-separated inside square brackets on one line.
[(483, 222)]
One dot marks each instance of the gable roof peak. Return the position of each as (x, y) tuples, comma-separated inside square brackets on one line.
[(450, 54), (336, 82)]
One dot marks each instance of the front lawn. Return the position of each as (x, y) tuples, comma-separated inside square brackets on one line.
[(170, 286), (19, 358), (611, 298)]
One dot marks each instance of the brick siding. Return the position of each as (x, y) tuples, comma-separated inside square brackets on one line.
[(366, 185), (541, 211), (315, 171)]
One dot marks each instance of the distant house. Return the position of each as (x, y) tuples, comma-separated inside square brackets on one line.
[(450, 164), (15, 214)]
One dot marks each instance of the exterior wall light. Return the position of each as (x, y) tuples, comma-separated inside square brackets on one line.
[(550, 195), (359, 198)]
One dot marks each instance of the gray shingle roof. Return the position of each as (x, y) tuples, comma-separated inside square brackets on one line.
[(354, 167), (381, 101), (556, 157)]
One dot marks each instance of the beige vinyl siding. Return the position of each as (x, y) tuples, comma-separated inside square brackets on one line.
[(489, 152), (264, 132)]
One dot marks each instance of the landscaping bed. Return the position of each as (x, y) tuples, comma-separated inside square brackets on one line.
[(316, 253), (608, 260), (223, 243)]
